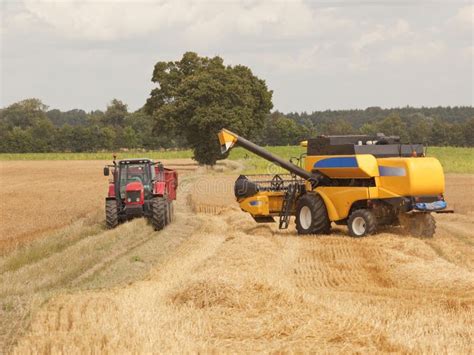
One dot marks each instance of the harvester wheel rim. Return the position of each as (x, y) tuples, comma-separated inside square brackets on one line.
[(361, 223), (305, 217), (359, 226)]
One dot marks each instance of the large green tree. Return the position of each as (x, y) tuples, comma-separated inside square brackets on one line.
[(197, 96)]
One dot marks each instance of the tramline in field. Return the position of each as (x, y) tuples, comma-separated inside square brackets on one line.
[(362, 181), (140, 188)]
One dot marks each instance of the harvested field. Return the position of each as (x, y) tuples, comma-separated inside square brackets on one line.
[(39, 197), (216, 281), (213, 194), (460, 192)]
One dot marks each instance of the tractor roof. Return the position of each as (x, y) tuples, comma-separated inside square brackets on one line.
[(135, 161)]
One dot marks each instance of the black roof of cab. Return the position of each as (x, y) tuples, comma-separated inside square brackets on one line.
[(135, 161)]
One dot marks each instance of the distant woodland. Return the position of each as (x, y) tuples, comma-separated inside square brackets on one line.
[(30, 126)]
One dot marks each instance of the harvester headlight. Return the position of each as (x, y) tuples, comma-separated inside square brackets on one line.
[(137, 200), (129, 199)]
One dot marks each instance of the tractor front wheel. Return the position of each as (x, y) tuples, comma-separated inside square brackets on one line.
[(311, 215), (159, 212), (361, 223), (111, 214)]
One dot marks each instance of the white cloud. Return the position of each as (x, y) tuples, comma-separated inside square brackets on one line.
[(308, 58), (103, 20), (397, 43), (213, 21), (200, 21), (382, 33), (464, 18), (468, 52), (112, 19), (414, 51), (372, 44)]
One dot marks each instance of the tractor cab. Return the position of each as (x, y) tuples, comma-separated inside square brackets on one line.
[(135, 176)]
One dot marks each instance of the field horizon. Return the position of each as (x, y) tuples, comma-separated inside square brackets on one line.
[(453, 159)]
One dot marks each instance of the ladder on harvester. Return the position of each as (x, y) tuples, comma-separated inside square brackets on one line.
[(288, 201)]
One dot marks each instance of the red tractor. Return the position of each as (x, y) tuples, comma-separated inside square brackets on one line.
[(140, 187)]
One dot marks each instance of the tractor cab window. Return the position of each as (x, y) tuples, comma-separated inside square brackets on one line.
[(134, 173), (152, 172)]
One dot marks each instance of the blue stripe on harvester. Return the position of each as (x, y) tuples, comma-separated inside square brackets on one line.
[(347, 162), (391, 171)]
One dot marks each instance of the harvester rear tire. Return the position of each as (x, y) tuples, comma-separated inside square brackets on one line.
[(158, 213), (311, 215), (361, 223), (421, 225), (111, 214)]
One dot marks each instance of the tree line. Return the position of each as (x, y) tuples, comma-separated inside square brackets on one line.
[(28, 126), (437, 126)]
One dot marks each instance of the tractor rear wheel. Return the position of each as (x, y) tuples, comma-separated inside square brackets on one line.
[(158, 212), (421, 225), (311, 215), (361, 223), (111, 214)]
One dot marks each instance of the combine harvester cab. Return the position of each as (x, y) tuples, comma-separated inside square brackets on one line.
[(140, 188), (361, 181)]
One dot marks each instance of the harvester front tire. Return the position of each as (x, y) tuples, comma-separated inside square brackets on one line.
[(111, 214), (158, 213), (361, 223), (311, 215), (421, 225)]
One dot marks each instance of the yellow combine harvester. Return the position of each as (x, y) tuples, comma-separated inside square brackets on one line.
[(362, 181)]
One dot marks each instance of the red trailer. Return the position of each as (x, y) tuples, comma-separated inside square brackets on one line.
[(140, 188)]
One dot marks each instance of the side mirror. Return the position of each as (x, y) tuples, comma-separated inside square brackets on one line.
[(106, 171)]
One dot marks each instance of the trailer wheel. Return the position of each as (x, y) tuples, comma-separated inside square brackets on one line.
[(361, 223), (311, 215), (421, 225), (158, 212), (111, 214)]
